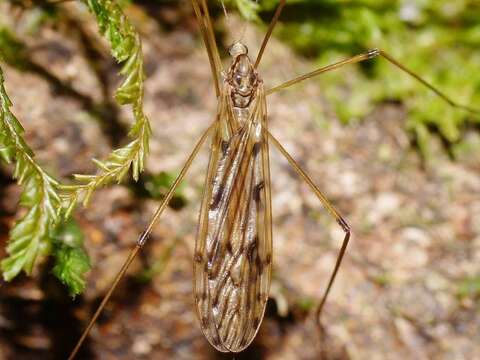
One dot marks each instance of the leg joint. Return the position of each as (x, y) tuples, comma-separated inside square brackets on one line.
[(143, 238), (343, 224), (373, 53)]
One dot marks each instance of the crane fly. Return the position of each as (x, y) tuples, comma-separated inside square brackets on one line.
[(233, 250)]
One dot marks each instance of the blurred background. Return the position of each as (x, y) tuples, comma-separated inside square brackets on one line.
[(400, 164)]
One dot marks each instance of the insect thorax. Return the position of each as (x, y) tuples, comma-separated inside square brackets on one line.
[(242, 79)]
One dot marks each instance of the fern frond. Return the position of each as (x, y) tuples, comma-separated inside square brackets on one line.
[(40, 230), (29, 238), (126, 47)]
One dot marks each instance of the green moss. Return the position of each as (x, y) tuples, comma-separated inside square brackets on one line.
[(71, 260), (438, 39), (12, 50), (469, 288)]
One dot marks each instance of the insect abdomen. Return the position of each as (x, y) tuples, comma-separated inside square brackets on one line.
[(233, 250)]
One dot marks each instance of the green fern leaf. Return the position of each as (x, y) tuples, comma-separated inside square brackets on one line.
[(126, 47), (29, 238)]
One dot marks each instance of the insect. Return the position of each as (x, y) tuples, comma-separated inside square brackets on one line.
[(233, 250)]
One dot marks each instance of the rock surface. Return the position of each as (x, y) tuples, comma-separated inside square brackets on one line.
[(416, 237)]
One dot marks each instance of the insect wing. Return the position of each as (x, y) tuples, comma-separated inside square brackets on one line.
[(233, 251)]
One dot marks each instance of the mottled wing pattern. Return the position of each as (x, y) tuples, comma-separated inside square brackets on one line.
[(233, 251)]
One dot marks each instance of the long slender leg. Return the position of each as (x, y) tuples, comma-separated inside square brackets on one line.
[(367, 56), (330, 208), (278, 11), (203, 18), (142, 240)]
